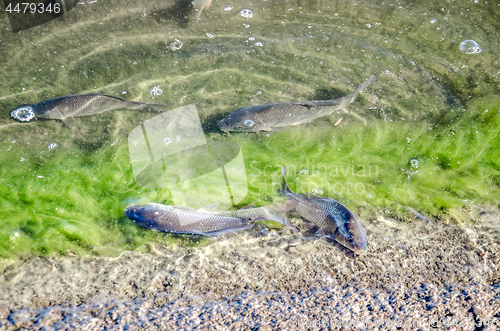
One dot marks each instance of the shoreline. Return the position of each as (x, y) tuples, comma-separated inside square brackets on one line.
[(418, 271)]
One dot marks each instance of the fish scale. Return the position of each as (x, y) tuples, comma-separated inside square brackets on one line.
[(186, 221)]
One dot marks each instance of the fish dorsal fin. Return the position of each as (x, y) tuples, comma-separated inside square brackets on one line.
[(249, 206), (184, 208), (311, 196), (268, 102), (308, 104), (209, 207), (69, 121)]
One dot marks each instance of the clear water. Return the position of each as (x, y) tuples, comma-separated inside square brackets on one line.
[(415, 157)]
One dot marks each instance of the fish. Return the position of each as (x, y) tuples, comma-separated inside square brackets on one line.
[(334, 220), (277, 116), (68, 107), (199, 6), (205, 221)]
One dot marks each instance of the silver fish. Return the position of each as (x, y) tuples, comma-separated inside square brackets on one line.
[(199, 6), (274, 117), (205, 221), (334, 220), (67, 107)]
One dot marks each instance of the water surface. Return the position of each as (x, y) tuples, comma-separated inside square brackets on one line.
[(420, 145)]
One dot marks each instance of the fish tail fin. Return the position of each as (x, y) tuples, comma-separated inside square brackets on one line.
[(285, 190), (276, 213), (354, 94)]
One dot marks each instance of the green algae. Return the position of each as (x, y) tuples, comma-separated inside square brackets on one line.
[(432, 103)]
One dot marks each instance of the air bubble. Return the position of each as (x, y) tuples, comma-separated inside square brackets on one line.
[(248, 123), (317, 191), (167, 140), (14, 235), (247, 13), (469, 46), (51, 145), (156, 91), (23, 114), (414, 163), (228, 8), (303, 172)]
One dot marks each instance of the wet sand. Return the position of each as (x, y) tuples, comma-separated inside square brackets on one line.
[(416, 275)]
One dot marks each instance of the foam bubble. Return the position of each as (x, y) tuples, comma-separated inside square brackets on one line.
[(469, 46), (247, 13)]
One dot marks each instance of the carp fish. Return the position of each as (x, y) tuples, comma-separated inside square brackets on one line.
[(333, 219), (68, 107), (205, 221), (277, 116)]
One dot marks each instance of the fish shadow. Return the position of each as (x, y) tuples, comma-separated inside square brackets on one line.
[(209, 124), (179, 12), (310, 229), (328, 94)]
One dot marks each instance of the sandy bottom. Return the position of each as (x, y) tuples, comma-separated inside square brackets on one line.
[(415, 275)]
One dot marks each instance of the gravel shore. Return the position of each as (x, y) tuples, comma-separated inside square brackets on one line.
[(416, 275)]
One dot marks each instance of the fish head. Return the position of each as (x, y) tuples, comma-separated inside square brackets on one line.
[(243, 119), (353, 236), (143, 215), (23, 113)]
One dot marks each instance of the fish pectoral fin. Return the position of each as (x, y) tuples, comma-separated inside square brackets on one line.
[(209, 207), (69, 121), (310, 227), (320, 233), (275, 128), (197, 233), (228, 231)]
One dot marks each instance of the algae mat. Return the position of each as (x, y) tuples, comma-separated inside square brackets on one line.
[(424, 138)]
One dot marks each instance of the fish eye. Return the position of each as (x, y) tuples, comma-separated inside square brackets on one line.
[(248, 123), (23, 114)]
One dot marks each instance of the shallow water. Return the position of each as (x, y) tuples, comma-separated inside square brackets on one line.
[(417, 150)]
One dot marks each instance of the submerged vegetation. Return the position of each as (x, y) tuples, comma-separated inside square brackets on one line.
[(74, 201), (430, 142)]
